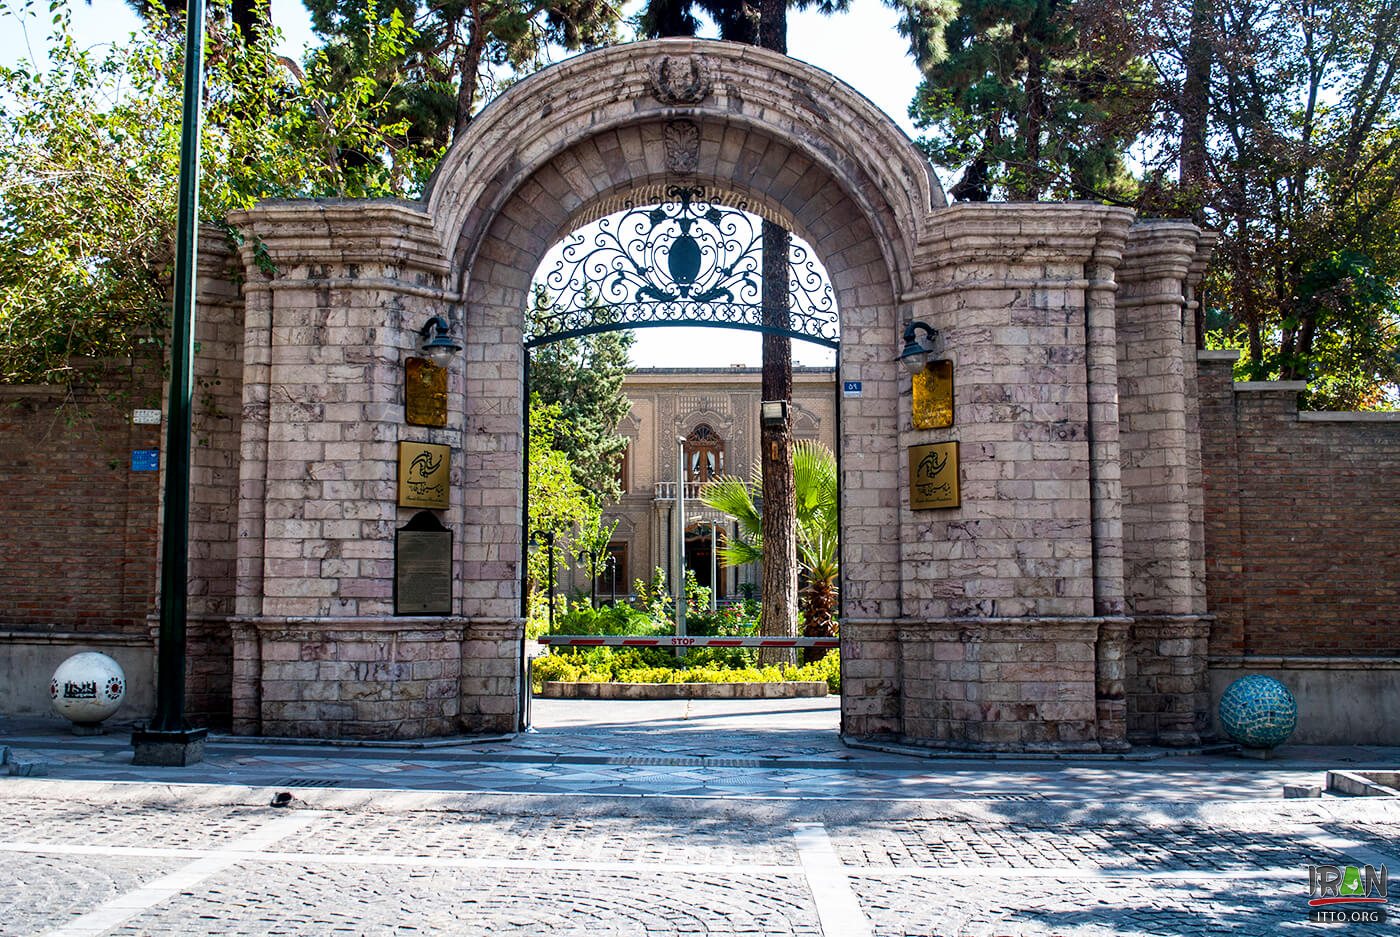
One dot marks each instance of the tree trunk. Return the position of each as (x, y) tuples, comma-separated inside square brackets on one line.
[(772, 25), (469, 65), (779, 615), (1195, 106)]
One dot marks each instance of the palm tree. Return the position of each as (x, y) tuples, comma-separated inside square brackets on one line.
[(815, 487)]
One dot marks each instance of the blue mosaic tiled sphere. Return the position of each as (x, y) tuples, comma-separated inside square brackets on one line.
[(1258, 711)]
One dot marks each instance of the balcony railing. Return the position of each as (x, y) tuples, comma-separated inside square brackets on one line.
[(666, 491)]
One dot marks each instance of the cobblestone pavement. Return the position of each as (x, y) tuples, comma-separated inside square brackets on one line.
[(699, 832)]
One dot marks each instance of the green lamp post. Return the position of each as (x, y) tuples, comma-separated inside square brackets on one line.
[(168, 739)]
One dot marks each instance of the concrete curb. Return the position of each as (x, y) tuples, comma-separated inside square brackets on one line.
[(952, 754), (757, 809), (1364, 783)]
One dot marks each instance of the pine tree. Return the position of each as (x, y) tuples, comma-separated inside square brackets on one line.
[(1033, 98)]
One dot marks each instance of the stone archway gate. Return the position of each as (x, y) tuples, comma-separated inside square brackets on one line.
[(1060, 607)]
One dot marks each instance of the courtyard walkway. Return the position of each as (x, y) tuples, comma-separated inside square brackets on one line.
[(684, 818)]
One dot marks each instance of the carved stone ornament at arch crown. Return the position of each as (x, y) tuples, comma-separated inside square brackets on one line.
[(682, 147), (679, 79)]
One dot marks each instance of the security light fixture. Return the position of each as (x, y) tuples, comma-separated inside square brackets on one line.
[(437, 344), (773, 412), (916, 354)]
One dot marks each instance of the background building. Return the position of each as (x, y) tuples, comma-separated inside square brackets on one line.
[(716, 411)]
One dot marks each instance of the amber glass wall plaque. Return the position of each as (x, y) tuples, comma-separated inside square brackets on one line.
[(933, 476), (424, 393), (933, 396), (423, 472)]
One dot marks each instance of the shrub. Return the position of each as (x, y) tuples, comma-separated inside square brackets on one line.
[(654, 665), (583, 618)]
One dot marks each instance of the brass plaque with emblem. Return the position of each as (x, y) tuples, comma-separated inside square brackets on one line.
[(933, 476), (424, 468), (423, 567), (933, 396), (424, 393)]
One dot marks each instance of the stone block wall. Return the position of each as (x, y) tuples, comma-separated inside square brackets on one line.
[(1001, 684), (1004, 597), (215, 427), (349, 677)]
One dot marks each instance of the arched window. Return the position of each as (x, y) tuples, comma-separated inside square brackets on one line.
[(704, 454)]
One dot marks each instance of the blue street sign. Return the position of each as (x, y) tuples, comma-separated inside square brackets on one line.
[(850, 388), (145, 460)]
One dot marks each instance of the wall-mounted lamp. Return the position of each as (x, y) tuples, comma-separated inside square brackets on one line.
[(437, 345), (773, 412), (916, 354)]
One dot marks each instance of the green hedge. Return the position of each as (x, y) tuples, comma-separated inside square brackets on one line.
[(653, 665)]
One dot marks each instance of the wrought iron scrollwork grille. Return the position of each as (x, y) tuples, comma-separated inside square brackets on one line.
[(683, 261)]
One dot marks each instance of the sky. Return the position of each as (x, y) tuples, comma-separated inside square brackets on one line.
[(860, 47)]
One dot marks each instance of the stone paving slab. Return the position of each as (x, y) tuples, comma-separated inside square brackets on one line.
[(710, 841), (1108, 907), (39, 892), (253, 900), (411, 863), (53, 821)]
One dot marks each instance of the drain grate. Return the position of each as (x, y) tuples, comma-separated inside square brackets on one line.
[(306, 782), (684, 762)]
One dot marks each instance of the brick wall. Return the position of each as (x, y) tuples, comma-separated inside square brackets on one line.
[(79, 558), (78, 554), (1303, 522)]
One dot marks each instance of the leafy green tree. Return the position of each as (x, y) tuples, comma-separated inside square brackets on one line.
[(559, 506), (463, 50), (89, 153), (1302, 176), (583, 377), (1033, 98), (815, 485)]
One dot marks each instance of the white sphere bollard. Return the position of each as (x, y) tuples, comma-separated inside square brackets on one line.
[(87, 688)]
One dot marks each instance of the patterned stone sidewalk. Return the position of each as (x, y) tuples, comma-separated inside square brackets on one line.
[(718, 749)]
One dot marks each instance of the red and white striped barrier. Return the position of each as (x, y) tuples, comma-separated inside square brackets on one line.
[(623, 640)]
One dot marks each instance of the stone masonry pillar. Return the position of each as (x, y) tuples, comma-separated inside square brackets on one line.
[(1004, 606), (1105, 485), (1167, 691), (337, 293)]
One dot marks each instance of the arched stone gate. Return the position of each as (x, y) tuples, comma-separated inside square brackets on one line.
[(1005, 623)]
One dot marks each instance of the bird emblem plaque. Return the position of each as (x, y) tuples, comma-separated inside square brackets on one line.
[(423, 472), (933, 476)]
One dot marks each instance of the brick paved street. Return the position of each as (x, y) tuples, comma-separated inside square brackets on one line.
[(951, 848)]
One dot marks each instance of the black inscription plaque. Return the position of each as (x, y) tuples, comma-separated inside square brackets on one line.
[(423, 567)]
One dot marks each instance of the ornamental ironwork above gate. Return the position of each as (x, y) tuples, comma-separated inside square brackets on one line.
[(683, 261)]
